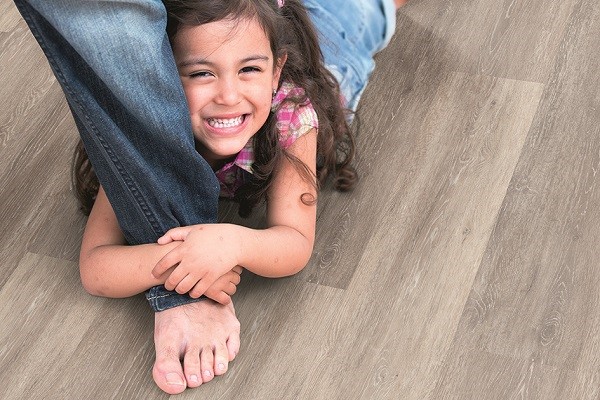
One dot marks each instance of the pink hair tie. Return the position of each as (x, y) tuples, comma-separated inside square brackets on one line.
[(280, 3)]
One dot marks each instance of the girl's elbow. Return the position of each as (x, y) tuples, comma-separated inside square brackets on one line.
[(88, 284), (297, 269), (301, 263), (89, 281), (308, 252), (283, 270)]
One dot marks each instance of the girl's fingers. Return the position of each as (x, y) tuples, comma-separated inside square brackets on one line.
[(199, 289), (222, 289), (230, 277), (176, 277), (214, 294), (194, 293), (235, 279), (173, 281), (174, 234), (238, 269), (170, 260), (230, 289), (185, 285)]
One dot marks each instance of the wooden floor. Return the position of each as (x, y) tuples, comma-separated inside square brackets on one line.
[(465, 265)]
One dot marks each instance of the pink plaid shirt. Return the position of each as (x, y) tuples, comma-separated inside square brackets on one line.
[(293, 121)]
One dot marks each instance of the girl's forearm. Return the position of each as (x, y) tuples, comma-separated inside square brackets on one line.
[(274, 252), (119, 271)]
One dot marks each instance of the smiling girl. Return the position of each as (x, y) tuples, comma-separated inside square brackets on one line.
[(268, 116), (248, 70)]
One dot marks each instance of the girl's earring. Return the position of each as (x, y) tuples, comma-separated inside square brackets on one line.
[(274, 93)]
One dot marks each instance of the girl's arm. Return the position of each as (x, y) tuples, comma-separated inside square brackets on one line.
[(282, 249), (111, 268)]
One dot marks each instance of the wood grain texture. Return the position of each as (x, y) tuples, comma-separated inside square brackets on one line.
[(464, 265), (449, 207), (9, 17), (516, 39), (59, 342), (540, 271)]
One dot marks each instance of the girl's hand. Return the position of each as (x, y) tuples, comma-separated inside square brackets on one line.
[(225, 287), (208, 252)]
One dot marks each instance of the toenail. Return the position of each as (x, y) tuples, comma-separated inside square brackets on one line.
[(194, 378), (207, 373), (221, 366), (175, 379)]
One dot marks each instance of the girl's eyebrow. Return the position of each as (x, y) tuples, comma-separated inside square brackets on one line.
[(204, 61)]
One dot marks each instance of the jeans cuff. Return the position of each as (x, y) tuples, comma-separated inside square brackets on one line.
[(161, 299)]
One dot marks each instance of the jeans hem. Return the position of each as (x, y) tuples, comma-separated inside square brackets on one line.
[(160, 300)]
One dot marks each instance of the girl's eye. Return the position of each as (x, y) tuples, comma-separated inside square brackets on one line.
[(250, 69), (200, 74)]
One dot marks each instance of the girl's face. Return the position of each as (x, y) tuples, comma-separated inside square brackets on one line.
[(228, 75)]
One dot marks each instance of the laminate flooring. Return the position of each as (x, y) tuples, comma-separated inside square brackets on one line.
[(464, 266)]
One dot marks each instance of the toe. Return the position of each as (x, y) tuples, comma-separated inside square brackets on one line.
[(221, 359), (207, 360), (168, 375), (233, 346), (191, 367)]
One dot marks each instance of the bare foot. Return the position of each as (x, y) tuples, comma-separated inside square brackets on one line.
[(206, 335), (400, 3)]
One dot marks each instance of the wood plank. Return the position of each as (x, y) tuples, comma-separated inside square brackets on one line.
[(500, 377), (33, 174), (69, 227), (9, 17), (53, 330), (388, 131), (535, 297), (427, 256), (517, 39)]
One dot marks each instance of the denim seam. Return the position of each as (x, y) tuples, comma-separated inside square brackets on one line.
[(160, 297)]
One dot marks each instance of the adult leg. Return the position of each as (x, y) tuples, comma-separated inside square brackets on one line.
[(351, 32), (115, 65)]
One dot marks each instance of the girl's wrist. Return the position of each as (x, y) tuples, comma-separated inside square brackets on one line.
[(236, 238)]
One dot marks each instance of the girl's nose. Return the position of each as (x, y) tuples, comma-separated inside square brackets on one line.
[(228, 92)]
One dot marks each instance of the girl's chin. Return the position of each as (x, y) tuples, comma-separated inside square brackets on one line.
[(219, 159)]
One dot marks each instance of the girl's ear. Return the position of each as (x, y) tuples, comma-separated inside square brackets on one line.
[(278, 68)]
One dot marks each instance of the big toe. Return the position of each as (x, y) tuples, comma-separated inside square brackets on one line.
[(168, 375), (233, 346)]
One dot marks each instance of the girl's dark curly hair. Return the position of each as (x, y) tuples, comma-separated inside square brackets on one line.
[(290, 32)]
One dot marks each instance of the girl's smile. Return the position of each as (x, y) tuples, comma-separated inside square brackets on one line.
[(221, 123), (225, 126), (228, 74)]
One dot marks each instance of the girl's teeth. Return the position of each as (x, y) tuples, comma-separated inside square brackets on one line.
[(225, 123)]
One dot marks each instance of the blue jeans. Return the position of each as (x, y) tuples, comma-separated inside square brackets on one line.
[(116, 68), (350, 33), (115, 65)]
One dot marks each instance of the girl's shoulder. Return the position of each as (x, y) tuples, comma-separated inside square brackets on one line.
[(294, 112)]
